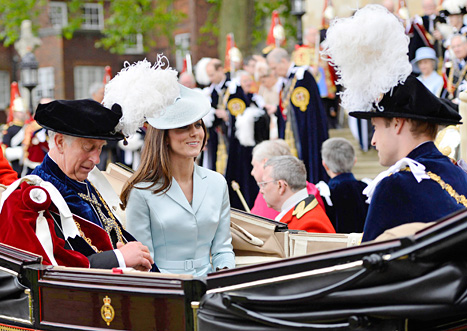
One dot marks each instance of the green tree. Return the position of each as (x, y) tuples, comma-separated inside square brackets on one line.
[(249, 20), (127, 18)]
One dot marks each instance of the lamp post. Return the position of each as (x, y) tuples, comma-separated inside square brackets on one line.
[(298, 9), (29, 75)]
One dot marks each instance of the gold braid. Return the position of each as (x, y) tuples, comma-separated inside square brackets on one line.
[(460, 198)]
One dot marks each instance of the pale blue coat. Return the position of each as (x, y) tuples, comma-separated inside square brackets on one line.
[(181, 236)]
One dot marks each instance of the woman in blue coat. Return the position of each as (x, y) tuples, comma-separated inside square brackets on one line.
[(179, 210)]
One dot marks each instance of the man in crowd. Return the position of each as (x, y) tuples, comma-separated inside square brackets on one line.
[(284, 189), (301, 116), (456, 68), (78, 130), (214, 123)]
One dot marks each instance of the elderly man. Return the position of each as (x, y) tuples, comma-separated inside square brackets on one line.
[(260, 155), (78, 130), (301, 116), (456, 68), (284, 189)]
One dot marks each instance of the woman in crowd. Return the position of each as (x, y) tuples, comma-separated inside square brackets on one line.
[(179, 210)]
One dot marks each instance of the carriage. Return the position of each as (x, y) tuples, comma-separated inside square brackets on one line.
[(414, 282)]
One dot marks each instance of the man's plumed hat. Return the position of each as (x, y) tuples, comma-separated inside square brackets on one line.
[(369, 51), (413, 100), (80, 118)]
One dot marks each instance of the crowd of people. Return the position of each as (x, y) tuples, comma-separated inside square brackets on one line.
[(261, 123)]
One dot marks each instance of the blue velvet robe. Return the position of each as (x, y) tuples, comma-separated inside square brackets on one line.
[(239, 157), (400, 199), (309, 124), (349, 208), (48, 170)]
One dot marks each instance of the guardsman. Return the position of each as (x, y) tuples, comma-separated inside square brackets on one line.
[(13, 135), (421, 184), (301, 115)]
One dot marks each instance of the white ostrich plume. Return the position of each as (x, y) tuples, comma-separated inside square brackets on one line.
[(369, 51), (453, 6), (143, 91)]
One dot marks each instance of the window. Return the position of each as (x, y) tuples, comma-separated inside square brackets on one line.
[(182, 42), (4, 89), (84, 77), (46, 86), (134, 44), (58, 14), (93, 16)]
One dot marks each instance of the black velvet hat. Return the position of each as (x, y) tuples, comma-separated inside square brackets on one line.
[(81, 118), (413, 100)]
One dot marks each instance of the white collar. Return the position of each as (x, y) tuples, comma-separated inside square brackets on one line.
[(291, 202)]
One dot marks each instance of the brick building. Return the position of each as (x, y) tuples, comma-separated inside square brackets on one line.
[(67, 68)]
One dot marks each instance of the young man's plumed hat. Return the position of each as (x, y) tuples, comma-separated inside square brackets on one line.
[(369, 51)]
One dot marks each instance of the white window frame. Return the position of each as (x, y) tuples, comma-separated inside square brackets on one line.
[(4, 88), (86, 25), (182, 42), (84, 77), (137, 47), (62, 16), (46, 86)]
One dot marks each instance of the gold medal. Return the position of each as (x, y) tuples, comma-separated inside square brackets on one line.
[(236, 106), (301, 98)]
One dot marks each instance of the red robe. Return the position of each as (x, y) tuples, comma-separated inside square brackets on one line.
[(308, 215), (18, 229), (7, 174)]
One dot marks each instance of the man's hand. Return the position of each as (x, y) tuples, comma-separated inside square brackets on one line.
[(222, 114), (270, 109), (136, 255)]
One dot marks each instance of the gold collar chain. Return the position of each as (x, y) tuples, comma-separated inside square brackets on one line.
[(108, 223)]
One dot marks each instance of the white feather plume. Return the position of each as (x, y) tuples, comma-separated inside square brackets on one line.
[(200, 71), (453, 6), (142, 90), (369, 51)]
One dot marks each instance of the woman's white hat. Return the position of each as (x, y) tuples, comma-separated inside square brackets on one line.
[(424, 53), (189, 107)]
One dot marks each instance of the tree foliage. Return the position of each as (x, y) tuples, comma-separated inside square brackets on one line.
[(262, 18), (127, 18), (12, 13)]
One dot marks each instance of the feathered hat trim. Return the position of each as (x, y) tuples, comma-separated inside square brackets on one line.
[(369, 51), (143, 91)]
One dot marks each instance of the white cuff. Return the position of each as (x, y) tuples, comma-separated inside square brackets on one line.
[(120, 259)]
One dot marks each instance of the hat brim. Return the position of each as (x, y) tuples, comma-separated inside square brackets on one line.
[(190, 107), (116, 136), (367, 115)]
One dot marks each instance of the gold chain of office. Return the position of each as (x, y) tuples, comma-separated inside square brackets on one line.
[(460, 198), (110, 222)]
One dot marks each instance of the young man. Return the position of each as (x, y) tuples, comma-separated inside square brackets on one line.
[(284, 189), (421, 185)]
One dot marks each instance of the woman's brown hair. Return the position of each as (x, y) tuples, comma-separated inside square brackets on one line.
[(155, 167)]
